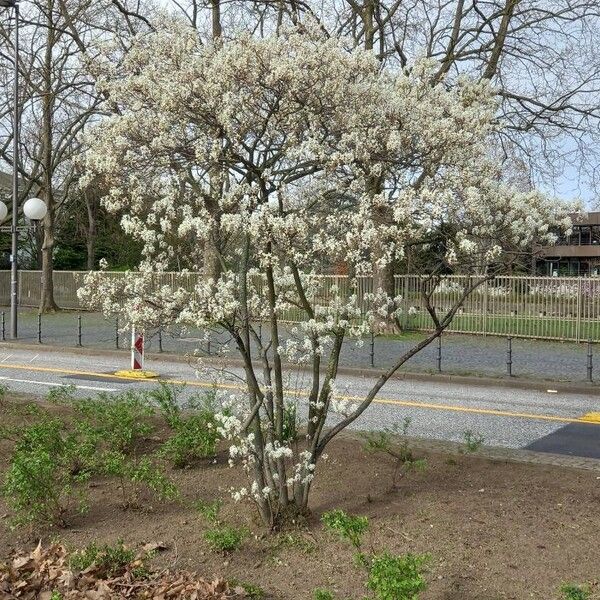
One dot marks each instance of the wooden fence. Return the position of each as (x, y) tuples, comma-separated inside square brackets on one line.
[(552, 308)]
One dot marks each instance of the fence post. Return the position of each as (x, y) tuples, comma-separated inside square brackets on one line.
[(3, 327), (439, 354), (39, 328), (160, 348), (372, 349), (509, 356), (485, 308), (117, 332), (578, 322), (79, 330), (208, 344), (590, 358)]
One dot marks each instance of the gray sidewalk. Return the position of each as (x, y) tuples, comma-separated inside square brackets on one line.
[(461, 354)]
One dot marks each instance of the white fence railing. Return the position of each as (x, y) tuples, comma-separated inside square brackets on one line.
[(554, 308)]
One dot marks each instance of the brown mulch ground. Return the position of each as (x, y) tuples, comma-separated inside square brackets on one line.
[(495, 530)]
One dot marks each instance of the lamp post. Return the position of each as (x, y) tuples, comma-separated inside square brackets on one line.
[(15, 191), (35, 210)]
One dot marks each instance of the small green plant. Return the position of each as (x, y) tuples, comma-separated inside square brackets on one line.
[(322, 594), (393, 442), (137, 474), (397, 577), (193, 425), (224, 538), (115, 422), (290, 422), (193, 438), (61, 394), (348, 527), (45, 474), (473, 441), (252, 591), (3, 393), (296, 541), (575, 592), (109, 561), (56, 595), (209, 510)]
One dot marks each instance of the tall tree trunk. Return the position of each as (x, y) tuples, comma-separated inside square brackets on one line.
[(212, 246), (91, 233), (47, 303), (368, 20), (383, 277), (217, 30)]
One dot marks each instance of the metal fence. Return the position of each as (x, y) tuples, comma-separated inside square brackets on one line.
[(553, 308)]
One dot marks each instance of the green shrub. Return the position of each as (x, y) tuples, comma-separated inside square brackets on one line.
[(117, 422), (61, 394), (348, 527), (393, 441), (209, 510), (3, 394), (252, 591), (45, 471), (193, 438), (193, 424), (575, 592), (473, 441), (165, 396), (322, 594), (109, 561), (137, 474), (224, 538), (397, 577), (290, 422)]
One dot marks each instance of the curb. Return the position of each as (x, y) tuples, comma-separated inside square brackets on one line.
[(516, 383), (494, 453)]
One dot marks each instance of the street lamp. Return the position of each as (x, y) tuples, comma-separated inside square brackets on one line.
[(15, 191), (35, 210)]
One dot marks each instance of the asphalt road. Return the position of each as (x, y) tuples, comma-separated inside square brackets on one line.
[(515, 418)]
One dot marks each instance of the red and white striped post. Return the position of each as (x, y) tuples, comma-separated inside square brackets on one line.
[(137, 350)]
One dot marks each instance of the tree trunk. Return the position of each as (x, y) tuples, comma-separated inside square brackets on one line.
[(90, 241), (383, 277), (216, 18), (47, 303)]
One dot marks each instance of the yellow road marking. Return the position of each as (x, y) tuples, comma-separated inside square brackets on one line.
[(591, 417), (595, 420)]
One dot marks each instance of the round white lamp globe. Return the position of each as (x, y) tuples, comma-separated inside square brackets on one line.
[(3, 211), (35, 209)]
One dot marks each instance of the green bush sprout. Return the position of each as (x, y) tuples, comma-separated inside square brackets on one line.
[(45, 473), (397, 577), (193, 424), (473, 441), (224, 538), (393, 442), (322, 594), (110, 561), (575, 592), (348, 527)]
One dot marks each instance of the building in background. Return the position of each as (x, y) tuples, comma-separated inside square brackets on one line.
[(575, 255)]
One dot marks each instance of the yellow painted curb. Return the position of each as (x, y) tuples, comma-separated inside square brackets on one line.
[(136, 374), (592, 417)]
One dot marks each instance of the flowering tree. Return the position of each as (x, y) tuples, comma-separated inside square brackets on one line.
[(280, 157)]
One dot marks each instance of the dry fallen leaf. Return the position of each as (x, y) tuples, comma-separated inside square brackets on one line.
[(35, 575)]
